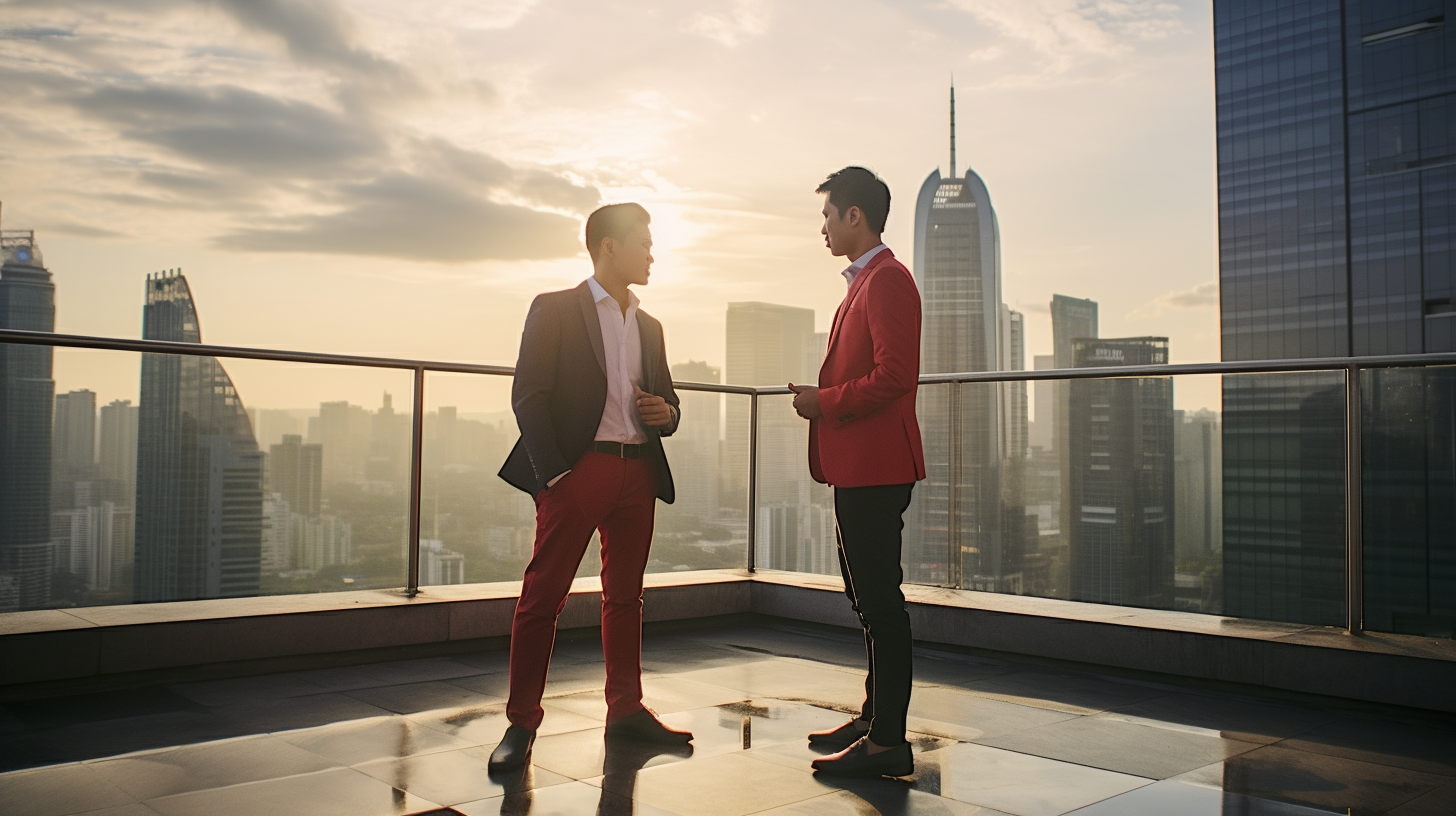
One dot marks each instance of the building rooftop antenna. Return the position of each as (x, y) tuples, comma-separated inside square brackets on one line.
[(952, 127)]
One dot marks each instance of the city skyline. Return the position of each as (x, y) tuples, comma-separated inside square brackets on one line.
[(1120, 208)]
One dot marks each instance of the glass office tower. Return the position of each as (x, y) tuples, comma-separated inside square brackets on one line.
[(1122, 476), (1337, 178), (957, 268), (199, 503), (27, 301)]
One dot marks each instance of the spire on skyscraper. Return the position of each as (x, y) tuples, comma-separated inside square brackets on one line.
[(952, 127)]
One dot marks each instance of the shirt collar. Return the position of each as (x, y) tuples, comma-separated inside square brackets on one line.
[(853, 270), (598, 292)]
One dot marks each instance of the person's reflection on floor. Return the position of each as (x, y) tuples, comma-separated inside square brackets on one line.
[(519, 784), (623, 759)]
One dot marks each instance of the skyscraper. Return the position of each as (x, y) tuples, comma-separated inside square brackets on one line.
[(118, 445), (1072, 318), (1016, 432), (958, 271), (1337, 211), (1122, 477), (73, 445), (296, 472), (199, 510), (27, 301)]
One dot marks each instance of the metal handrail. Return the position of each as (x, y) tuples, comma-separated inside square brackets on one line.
[(1288, 365), (1350, 367)]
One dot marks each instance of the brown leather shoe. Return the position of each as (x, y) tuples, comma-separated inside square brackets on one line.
[(645, 727), (856, 760), (837, 739)]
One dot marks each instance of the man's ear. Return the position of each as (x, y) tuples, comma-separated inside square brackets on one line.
[(854, 216), (608, 247)]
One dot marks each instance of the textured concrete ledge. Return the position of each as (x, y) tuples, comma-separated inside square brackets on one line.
[(102, 642), (1380, 668), (99, 641)]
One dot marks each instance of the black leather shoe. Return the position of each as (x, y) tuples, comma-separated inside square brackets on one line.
[(837, 739), (514, 750), (645, 727), (856, 760)]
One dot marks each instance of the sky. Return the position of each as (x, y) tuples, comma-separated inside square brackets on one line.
[(385, 178)]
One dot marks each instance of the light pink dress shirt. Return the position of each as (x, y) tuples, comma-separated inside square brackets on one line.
[(622, 342)]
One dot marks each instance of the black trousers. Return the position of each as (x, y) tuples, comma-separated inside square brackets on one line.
[(870, 522)]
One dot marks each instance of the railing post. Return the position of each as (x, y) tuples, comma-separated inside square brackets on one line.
[(752, 482), (417, 458), (1354, 506), (954, 560)]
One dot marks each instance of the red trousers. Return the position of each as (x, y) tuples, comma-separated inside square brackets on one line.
[(618, 497)]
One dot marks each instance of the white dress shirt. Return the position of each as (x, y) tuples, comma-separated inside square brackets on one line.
[(853, 270), (622, 342)]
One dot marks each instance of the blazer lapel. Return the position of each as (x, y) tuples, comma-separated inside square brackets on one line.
[(651, 348), (593, 324), (849, 297)]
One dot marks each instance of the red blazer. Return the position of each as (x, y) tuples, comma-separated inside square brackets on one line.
[(868, 434)]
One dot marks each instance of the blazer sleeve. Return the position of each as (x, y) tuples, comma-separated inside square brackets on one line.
[(666, 391), (892, 306), (532, 389)]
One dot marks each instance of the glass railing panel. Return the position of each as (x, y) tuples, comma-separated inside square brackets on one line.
[(1408, 426), (706, 527), (1284, 497), (1197, 493), (474, 528), (928, 535), (172, 477), (795, 514)]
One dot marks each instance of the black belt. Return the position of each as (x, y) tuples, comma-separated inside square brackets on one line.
[(620, 449)]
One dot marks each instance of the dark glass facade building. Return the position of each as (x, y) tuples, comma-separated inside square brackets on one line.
[(199, 503), (1337, 179), (28, 302), (1122, 529), (958, 271)]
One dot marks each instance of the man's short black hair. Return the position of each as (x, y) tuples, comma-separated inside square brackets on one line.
[(613, 221), (858, 187)]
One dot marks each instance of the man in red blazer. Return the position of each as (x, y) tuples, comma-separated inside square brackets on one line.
[(864, 440)]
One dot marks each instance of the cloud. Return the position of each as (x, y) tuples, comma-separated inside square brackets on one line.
[(1068, 33), (36, 33), (743, 20), (232, 128), (318, 33), (402, 216), (79, 230), (1201, 296)]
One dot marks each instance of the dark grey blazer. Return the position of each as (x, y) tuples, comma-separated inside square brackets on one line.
[(560, 390)]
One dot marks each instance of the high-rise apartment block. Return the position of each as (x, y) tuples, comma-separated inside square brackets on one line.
[(1121, 430), (28, 302), (296, 472), (199, 511), (73, 445), (1337, 188)]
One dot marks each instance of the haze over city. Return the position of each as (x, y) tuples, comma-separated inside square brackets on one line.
[(366, 178)]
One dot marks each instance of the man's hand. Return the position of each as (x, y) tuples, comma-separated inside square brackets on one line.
[(806, 400), (655, 411)]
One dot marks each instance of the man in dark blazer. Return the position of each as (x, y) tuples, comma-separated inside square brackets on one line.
[(865, 441), (593, 398)]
